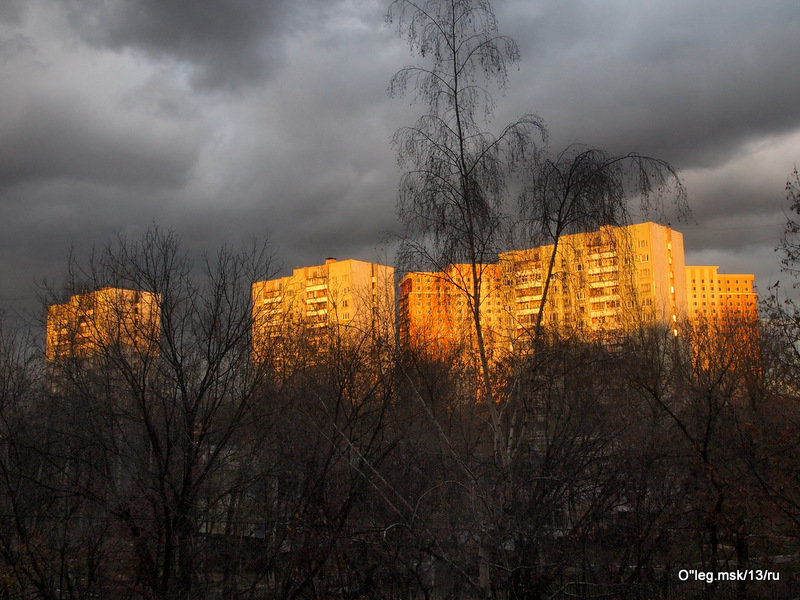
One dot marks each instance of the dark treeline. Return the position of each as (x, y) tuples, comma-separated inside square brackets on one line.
[(174, 466), (342, 467)]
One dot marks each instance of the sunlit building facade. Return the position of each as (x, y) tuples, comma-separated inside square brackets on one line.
[(351, 295), (723, 318), (91, 324), (435, 314), (603, 283), (721, 297)]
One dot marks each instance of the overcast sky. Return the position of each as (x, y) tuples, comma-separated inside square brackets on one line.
[(228, 120)]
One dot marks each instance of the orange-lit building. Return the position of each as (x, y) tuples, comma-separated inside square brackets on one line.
[(353, 294), (723, 318), (609, 280), (93, 323), (720, 297), (605, 281), (435, 312)]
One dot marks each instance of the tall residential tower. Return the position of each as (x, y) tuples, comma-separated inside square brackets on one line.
[(351, 295), (603, 282), (93, 323)]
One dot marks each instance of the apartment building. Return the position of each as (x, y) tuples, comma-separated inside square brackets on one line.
[(352, 294), (720, 297), (92, 323), (435, 311), (602, 282), (608, 280)]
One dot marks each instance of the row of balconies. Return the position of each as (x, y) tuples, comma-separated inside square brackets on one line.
[(605, 269), (603, 283), (596, 255)]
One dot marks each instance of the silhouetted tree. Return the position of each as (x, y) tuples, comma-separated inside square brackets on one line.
[(582, 189), (452, 195), (151, 413)]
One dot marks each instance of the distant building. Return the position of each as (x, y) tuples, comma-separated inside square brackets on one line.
[(603, 282), (723, 321), (609, 280), (93, 323), (719, 297), (435, 315), (352, 295)]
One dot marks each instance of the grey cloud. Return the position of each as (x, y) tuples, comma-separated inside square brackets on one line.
[(43, 222), (52, 141), (13, 46), (113, 119), (11, 11), (225, 43), (688, 81)]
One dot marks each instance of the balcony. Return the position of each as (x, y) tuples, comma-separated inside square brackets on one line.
[(604, 283), (604, 298), (603, 269), (606, 312), (597, 254)]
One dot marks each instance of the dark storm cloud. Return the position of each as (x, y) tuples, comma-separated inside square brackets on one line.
[(689, 81), (11, 10), (225, 43), (708, 86), (52, 141), (13, 46), (234, 119)]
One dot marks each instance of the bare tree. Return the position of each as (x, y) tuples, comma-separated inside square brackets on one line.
[(704, 390), (771, 448), (781, 307), (582, 189), (161, 388), (790, 244), (452, 195)]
